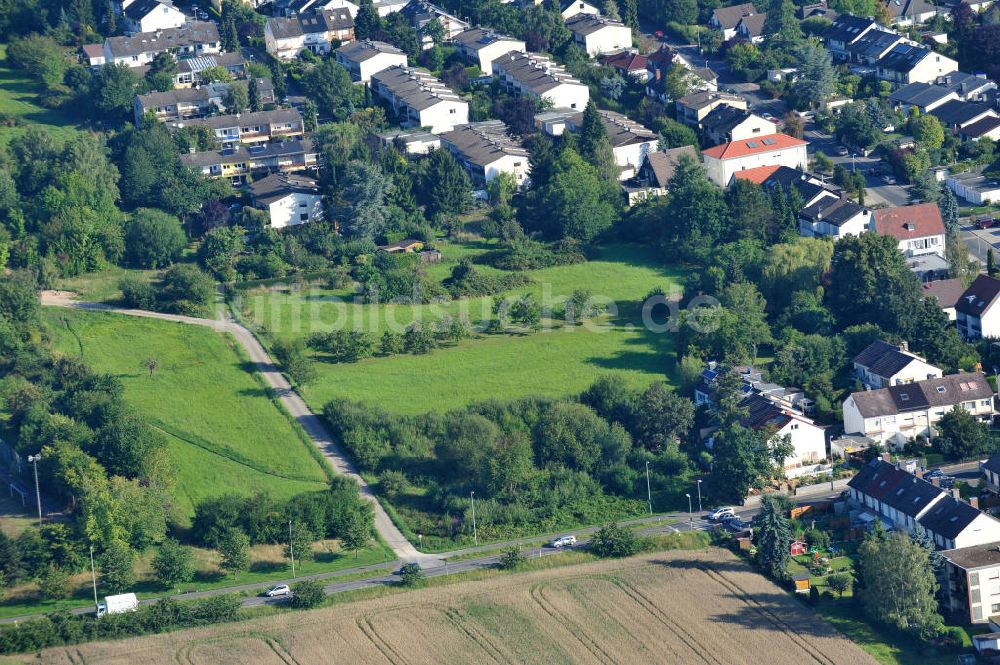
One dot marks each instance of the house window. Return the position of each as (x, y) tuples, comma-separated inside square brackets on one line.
[(302, 205), (304, 217)]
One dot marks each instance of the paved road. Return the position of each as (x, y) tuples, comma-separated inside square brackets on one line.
[(290, 399)]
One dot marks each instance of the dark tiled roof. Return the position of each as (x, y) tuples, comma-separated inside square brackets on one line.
[(920, 94), (832, 210), (885, 360), (980, 127), (979, 297), (753, 26), (957, 112), (946, 291), (722, 119), (912, 495), (189, 34), (993, 463), (936, 392), (303, 24), (875, 43), (729, 17), (949, 517), (663, 164), (139, 9), (903, 57), (871, 353), (279, 185), (977, 556), (847, 28), (587, 24)]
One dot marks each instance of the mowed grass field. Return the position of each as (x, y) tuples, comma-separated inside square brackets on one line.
[(223, 431), (674, 607), (17, 100), (558, 361)]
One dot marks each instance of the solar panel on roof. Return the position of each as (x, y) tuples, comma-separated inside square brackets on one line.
[(752, 144), (769, 141)]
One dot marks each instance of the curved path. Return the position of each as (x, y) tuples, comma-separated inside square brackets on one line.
[(291, 400)]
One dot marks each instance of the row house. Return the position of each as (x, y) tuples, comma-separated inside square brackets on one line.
[(485, 150), (191, 39), (236, 164), (480, 47), (185, 103), (631, 142), (189, 69), (880, 365), (249, 128), (418, 99), (899, 413), (599, 34), (540, 78), (286, 38), (366, 57), (421, 12)]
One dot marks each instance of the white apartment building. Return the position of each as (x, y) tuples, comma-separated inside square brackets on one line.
[(363, 58), (481, 47), (723, 161), (249, 128), (286, 38), (598, 34), (289, 199), (191, 39), (538, 77), (420, 100), (485, 150)]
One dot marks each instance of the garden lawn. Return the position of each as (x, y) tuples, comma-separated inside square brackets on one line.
[(561, 361), (223, 430), (17, 101)]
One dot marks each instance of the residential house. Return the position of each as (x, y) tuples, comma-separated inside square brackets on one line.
[(976, 312), (540, 78), (630, 141), (834, 217), (421, 12), (93, 55), (189, 69), (896, 414), (286, 38), (723, 161), (249, 128), (597, 34), (629, 65), (970, 587), (946, 292), (919, 228), (728, 123), (957, 114), (970, 87), (185, 103), (237, 163), (988, 127), (925, 97), (808, 439), (152, 15), (725, 19), (905, 13), (753, 383), (844, 32), (289, 199), (903, 500), (418, 99), (881, 365), (658, 65), (692, 109), (361, 59), (751, 28), (191, 39), (481, 47), (906, 63), (571, 8), (411, 141), (810, 187), (293, 7), (816, 9), (873, 46), (991, 470), (385, 7), (485, 150), (655, 173), (974, 187)]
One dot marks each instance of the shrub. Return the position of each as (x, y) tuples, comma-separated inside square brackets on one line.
[(814, 596), (839, 582), (53, 583), (172, 564), (411, 574), (307, 594), (137, 293), (612, 540), (511, 559), (186, 289), (393, 483), (153, 239)]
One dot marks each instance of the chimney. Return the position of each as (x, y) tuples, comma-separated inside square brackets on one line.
[(919, 472), (936, 482), (956, 494), (974, 502), (904, 346)]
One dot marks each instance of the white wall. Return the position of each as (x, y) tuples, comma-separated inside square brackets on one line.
[(933, 244), (608, 39), (513, 164), (633, 155), (753, 126), (721, 171), (983, 529), (808, 440), (288, 211), (931, 67), (491, 52), (579, 7), (569, 96), (161, 18), (443, 117)]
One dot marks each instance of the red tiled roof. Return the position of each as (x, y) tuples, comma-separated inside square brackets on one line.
[(756, 175), (907, 222), (626, 61), (93, 50), (946, 291), (755, 146)]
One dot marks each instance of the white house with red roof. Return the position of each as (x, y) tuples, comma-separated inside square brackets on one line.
[(919, 228), (723, 161)]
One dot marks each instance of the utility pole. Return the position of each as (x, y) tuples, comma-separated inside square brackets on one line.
[(699, 495), (291, 552), (475, 533), (34, 459), (649, 493), (690, 513), (93, 575)]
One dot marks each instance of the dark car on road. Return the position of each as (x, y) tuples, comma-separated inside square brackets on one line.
[(985, 222)]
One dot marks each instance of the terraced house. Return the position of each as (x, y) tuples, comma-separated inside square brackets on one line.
[(481, 47), (249, 128), (189, 40), (189, 69), (286, 38), (361, 59), (185, 103), (538, 77), (237, 163), (485, 150), (419, 99)]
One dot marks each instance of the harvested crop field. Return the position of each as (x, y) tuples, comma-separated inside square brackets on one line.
[(705, 607)]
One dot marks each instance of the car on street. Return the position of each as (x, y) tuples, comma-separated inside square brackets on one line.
[(278, 590), (720, 514), (947, 482), (842, 151), (933, 473), (737, 525), (888, 179), (565, 541), (984, 222)]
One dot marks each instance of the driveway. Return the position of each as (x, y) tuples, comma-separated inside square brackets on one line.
[(290, 399)]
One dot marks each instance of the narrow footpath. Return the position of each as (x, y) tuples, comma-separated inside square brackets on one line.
[(290, 399)]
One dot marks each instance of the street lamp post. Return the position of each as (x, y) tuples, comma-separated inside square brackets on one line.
[(291, 552), (853, 168), (93, 576), (690, 514), (649, 493), (699, 495), (475, 533), (34, 459)]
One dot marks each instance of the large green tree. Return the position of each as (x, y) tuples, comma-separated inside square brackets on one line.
[(573, 198), (364, 212), (960, 436), (695, 214), (330, 86), (773, 536), (816, 76), (446, 188), (662, 417), (153, 239), (745, 459)]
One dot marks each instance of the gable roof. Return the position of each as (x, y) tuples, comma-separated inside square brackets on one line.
[(722, 119), (629, 62), (757, 145), (242, 119), (757, 175), (945, 291), (979, 297), (904, 8), (140, 9), (664, 164), (729, 17), (980, 127), (483, 143), (848, 28), (906, 222), (949, 517), (920, 94), (885, 360), (703, 98), (587, 24), (279, 185), (622, 130), (475, 39), (365, 49), (903, 57), (957, 112), (665, 55), (833, 210), (325, 20), (874, 43), (944, 391), (189, 34), (753, 25)]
